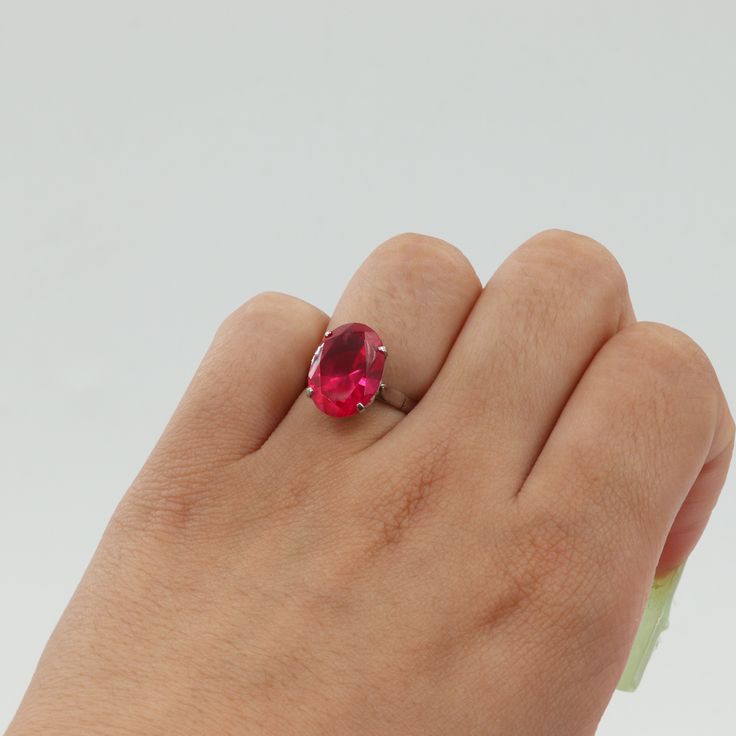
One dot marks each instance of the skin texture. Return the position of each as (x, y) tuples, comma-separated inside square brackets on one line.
[(475, 567)]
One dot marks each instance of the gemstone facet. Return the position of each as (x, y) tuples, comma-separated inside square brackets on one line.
[(346, 370)]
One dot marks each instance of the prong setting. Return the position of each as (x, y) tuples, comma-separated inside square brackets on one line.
[(310, 391), (360, 407), (328, 333), (383, 349)]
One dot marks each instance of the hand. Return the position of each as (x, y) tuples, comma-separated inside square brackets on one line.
[(477, 566)]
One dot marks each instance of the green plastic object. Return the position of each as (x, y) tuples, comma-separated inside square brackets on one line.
[(655, 620)]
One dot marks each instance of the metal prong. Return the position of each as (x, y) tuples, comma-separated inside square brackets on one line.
[(328, 333), (381, 388), (383, 349), (310, 391), (360, 407)]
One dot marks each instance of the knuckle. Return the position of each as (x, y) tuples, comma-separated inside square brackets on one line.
[(573, 247), (672, 358), (574, 259), (417, 257), (266, 311)]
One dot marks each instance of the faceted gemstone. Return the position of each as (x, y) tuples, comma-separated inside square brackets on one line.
[(346, 370)]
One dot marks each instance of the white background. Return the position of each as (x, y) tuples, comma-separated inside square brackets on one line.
[(160, 162)]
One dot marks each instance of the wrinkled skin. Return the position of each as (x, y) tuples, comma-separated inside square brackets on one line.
[(475, 567)]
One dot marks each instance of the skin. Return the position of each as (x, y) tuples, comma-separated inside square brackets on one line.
[(475, 567)]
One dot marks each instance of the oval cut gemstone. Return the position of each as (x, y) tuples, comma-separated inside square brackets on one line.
[(346, 370)]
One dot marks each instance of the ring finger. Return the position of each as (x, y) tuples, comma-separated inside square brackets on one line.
[(415, 292)]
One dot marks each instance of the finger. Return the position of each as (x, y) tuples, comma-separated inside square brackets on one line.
[(540, 320), (247, 381), (639, 454), (692, 518), (416, 292)]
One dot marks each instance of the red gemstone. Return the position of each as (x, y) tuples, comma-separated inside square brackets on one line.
[(346, 370)]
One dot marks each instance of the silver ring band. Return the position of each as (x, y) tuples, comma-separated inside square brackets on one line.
[(397, 399)]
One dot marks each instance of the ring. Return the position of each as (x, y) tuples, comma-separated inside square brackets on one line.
[(346, 372)]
